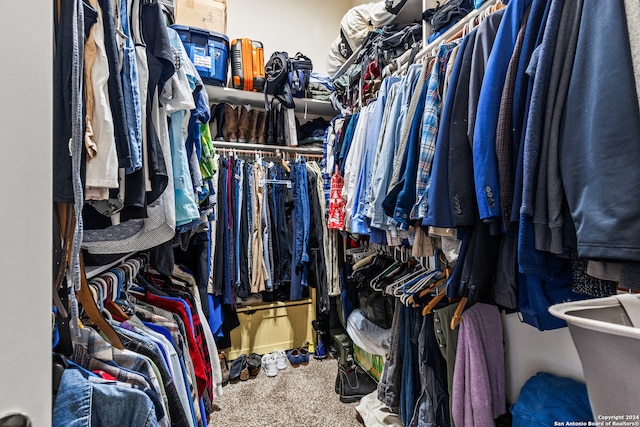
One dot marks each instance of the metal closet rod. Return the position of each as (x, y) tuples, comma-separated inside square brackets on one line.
[(274, 148)]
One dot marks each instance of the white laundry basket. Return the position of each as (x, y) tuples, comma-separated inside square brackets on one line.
[(606, 332)]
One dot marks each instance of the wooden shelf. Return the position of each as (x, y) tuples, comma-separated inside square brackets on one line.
[(312, 107)]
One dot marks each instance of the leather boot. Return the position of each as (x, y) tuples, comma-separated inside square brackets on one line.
[(270, 131), (262, 127), (354, 383), (231, 122), (280, 124), (217, 117), (244, 123), (224, 367), (253, 128)]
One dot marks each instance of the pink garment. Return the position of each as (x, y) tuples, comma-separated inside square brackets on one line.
[(479, 376), (337, 204)]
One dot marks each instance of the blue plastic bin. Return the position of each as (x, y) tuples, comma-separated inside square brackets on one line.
[(209, 52)]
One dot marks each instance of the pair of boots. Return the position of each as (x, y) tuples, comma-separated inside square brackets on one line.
[(239, 123)]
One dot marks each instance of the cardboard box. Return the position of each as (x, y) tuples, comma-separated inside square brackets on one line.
[(207, 14)]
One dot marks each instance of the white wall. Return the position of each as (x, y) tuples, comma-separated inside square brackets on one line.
[(313, 26), (25, 213), (529, 351)]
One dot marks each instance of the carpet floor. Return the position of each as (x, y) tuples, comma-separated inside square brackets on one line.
[(302, 396)]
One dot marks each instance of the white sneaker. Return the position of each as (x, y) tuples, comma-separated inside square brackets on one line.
[(269, 365), (281, 359)]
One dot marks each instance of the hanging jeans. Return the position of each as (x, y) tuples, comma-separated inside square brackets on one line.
[(301, 200), (301, 226), (432, 407), (131, 91), (223, 223), (410, 387), (243, 243), (390, 382)]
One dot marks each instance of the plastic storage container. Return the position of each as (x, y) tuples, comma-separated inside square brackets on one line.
[(606, 332), (209, 52)]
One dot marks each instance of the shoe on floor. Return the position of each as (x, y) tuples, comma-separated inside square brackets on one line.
[(224, 367), (280, 358), (294, 357), (304, 356), (254, 363), (354, 383), (269, 365), (321, 351), (239, 369)]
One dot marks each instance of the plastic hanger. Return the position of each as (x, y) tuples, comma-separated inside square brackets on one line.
[(393, 269), (90, 307), (285, 165), (409, 290), (425, 291), (399, 282)]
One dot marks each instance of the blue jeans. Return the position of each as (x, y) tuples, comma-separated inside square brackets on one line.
[(237, 183), (223, 211), (431, 409), (131, 92), (250, 177), (295, 293), (301, 200), (410, 387)]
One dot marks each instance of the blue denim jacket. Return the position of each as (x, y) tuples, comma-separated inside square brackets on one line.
[(81, 403)]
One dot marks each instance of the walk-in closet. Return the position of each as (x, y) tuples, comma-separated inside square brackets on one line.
[(334, 213)]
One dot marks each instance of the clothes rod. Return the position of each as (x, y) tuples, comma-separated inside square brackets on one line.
[(402, 60), (261, 147)]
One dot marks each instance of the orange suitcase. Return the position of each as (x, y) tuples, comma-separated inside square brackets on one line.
[(247, 64)]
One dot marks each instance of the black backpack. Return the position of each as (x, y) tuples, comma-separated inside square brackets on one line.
[(276, 72), (299, 74)]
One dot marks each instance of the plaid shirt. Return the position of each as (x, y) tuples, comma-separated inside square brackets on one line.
[(82, 358), (430, 123), (98, 348)]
